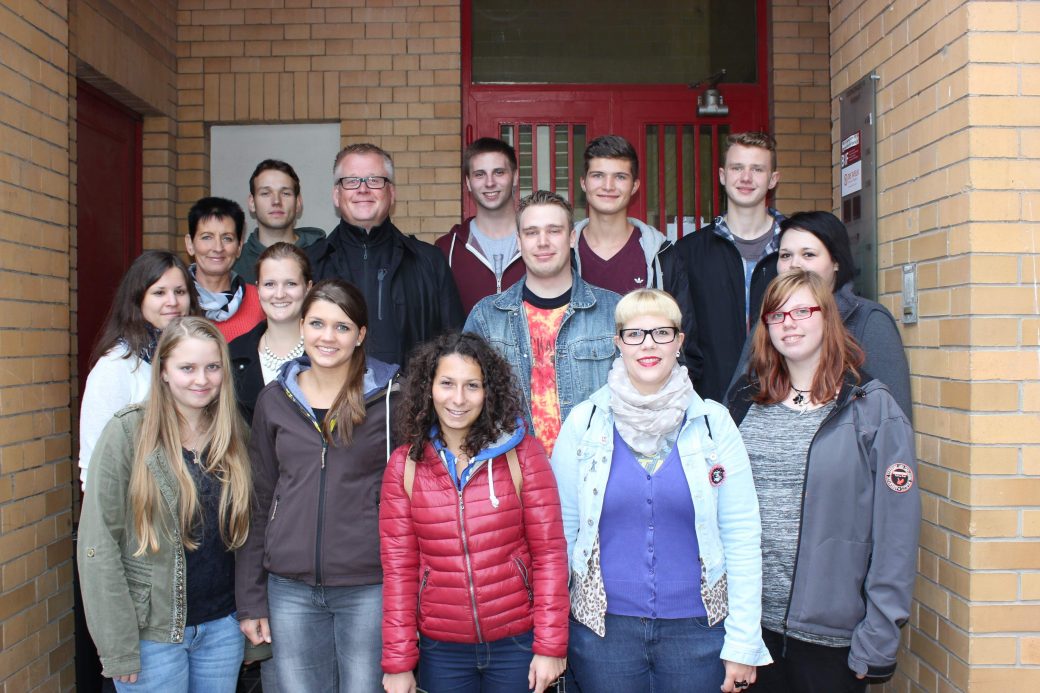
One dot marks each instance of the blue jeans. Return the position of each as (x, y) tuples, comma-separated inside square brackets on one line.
[(207, 661), (654, 655), (326, 638), (499, 666)]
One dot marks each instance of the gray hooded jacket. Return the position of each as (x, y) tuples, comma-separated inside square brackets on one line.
[(861, 512)]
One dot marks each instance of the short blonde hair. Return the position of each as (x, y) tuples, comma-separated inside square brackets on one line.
[(647, 302)]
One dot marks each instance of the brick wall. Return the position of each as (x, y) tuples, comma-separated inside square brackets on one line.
[(957, 104), (388, 74), (35, 490), (799, 54)]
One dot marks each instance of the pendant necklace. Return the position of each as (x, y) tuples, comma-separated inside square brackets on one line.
[(800, 398)]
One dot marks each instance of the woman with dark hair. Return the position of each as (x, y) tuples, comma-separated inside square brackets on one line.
[(661, 519), (819, 242), (474, 559), (308, 579), (156, 289), (283, 275), (833, 459)]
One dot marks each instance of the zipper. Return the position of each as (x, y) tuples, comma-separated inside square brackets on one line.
[(422, 588), (523, 576), (364, 250), (274, 511), (801, 524), (380, 275), (498, 283), (321, 484), (321, 514), (469, 566)]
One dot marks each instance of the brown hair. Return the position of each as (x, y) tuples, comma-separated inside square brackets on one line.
[(125, 322), (501, 408), (762, 140), (348, 409), (285, 251), (549, 198), (839, 353)]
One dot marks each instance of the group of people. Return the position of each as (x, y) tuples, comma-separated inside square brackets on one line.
[(637, 466)]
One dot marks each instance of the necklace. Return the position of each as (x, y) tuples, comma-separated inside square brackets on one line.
[(272, 362), (800, 398)]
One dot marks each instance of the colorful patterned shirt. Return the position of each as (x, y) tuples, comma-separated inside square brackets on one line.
[(543, 324)]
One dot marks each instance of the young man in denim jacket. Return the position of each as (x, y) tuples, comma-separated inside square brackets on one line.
[(555, 329)]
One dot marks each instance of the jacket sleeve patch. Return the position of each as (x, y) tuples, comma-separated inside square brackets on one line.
[(899, 477)]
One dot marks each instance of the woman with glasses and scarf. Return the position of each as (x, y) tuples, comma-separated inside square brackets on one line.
[(156, 289), (833, 459), (214, 241), (661, 520)]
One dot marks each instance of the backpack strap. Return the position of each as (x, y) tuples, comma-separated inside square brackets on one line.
[(409, 475), (514, 471), (708, 426)]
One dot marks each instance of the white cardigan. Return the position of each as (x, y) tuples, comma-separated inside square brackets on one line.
[(113, 383)]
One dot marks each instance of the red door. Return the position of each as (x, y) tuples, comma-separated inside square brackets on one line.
[(108, 208), (678, 149)]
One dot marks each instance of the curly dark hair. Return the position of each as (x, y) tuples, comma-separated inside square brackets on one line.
[(501, 398)]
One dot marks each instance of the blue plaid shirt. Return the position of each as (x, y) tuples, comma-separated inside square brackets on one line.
[(722, 229)]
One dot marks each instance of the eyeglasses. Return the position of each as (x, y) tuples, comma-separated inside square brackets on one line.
[(636, 336), (778, 316), (373, 182)]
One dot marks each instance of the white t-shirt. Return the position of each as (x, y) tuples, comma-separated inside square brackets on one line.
[(114, 382)]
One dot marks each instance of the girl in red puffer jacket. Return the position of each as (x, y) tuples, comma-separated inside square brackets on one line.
[(471, 536)]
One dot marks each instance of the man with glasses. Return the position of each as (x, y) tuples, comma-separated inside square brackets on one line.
[(556, 330), (407, 284)]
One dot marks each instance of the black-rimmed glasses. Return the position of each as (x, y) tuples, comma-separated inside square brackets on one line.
[(777, 316), (353, 182), (635, 336)]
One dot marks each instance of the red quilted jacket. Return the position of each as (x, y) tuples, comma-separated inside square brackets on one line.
[(516, 577)]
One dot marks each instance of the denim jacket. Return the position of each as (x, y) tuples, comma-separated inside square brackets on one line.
[(584, 345), (717, 470)]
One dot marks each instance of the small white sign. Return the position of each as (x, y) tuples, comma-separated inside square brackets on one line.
[(852, 179)]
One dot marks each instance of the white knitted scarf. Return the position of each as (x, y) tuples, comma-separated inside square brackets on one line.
[(644, 421)]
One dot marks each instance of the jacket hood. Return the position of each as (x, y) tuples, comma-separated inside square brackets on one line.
[(651, 241), (500, 446), (847, 301), (505, 442), (307, 235), (378, 376)]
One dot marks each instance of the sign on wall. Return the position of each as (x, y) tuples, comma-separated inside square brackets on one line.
[(857, 170)]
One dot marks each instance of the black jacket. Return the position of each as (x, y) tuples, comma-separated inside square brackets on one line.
[(424, 300), (245, 366), (716, 275)]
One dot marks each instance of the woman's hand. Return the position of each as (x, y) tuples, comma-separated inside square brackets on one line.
[(399, 683), (544, 671), (737, 673), (129, 678), (256, 630)]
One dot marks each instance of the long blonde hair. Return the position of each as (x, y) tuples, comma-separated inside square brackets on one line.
[(160, 432)]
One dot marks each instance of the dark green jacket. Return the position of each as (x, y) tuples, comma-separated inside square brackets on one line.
[(128, 599)]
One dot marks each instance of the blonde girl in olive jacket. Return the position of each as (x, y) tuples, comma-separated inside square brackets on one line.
[(167, 503)]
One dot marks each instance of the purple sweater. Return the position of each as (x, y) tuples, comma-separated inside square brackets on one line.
[(648, 540)]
